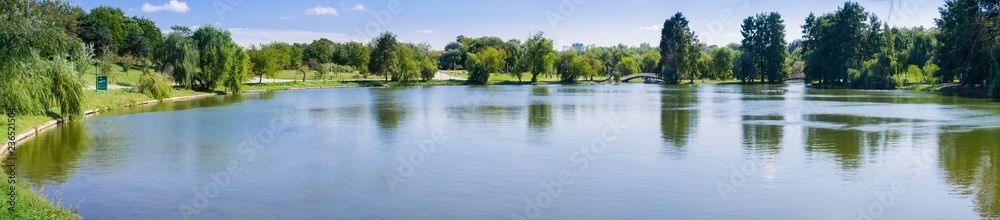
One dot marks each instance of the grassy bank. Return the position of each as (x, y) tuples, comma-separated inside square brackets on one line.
[(28, 204)]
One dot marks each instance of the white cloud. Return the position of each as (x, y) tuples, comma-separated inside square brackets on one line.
[(358, 7), (172, 6), (649, 28), (425, 31), (322, 10), (253, 36), (286, 17)]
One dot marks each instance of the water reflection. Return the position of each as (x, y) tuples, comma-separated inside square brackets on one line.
[(52, 159), (971, 165), (539, 116), (762, 134), (389, 110), (677, 117), (853, 138)]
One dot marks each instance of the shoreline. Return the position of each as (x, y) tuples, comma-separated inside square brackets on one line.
[(36, 130)]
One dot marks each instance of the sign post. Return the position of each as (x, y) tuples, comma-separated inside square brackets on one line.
[(102, 83)]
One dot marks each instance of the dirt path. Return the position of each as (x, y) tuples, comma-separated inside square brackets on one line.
[(442, 76)]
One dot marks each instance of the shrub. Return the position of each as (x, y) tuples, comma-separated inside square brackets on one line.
[(155, 85)]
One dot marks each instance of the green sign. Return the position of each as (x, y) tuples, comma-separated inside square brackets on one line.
[(102, 83)]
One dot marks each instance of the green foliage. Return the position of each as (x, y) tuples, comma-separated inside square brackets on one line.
[(383, 55), (540, 56), (676, 48), (836, 41), (115, 19), (627, 66), (930, 73), (650, 61), (321, 50), (106, 63), (968, 30), (481, 65), (83, 59), (764, 38), (155, 85), (722, 63), (97, 33), (744, 69), (428, 68), (408, 69), (127, 62), (181, 58), (359, 57), (221, 60), (267, 60)]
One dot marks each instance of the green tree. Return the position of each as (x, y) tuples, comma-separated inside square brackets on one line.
[(538, 55), (833, 44), (321, 50), (383, 55), (428, 68), (267, 61), (722, 63), (115, 19), (627, 66), (407, 69), (96, 32), (764, 38), (221, 60), (180, 57), (481, 65), (676, 43), (650, 61), (359, 57)]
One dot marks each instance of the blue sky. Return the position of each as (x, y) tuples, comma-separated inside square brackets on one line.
[(599, 22)]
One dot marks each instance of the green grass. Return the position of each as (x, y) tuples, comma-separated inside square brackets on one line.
[(296, 75), (28, 204), (129, 78)]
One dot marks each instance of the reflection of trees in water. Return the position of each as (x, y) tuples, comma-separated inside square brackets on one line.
[(762, 139), (847, 145), (971, 164), (539, 116), (540, 113), (389, 110), (677, 119), (52, 157)]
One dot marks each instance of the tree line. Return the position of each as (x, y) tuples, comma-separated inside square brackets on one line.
[(50, 45)]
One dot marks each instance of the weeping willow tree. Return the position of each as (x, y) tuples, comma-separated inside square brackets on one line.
[(37, 76)]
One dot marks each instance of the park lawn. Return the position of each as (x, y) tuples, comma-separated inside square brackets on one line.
[(30, 205), (311, 75), (130, 78)]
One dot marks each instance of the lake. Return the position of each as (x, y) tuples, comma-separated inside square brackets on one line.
[(630, 151)]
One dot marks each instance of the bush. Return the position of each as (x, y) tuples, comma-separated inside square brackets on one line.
[(106, 63), (155, 86), (428, 70)]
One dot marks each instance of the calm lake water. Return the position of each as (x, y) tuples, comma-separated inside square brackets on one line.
[(631, 151)]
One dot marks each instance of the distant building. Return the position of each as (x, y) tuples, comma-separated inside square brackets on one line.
[(577, 46)]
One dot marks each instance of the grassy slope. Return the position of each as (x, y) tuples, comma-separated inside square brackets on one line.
[(30, 205)]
